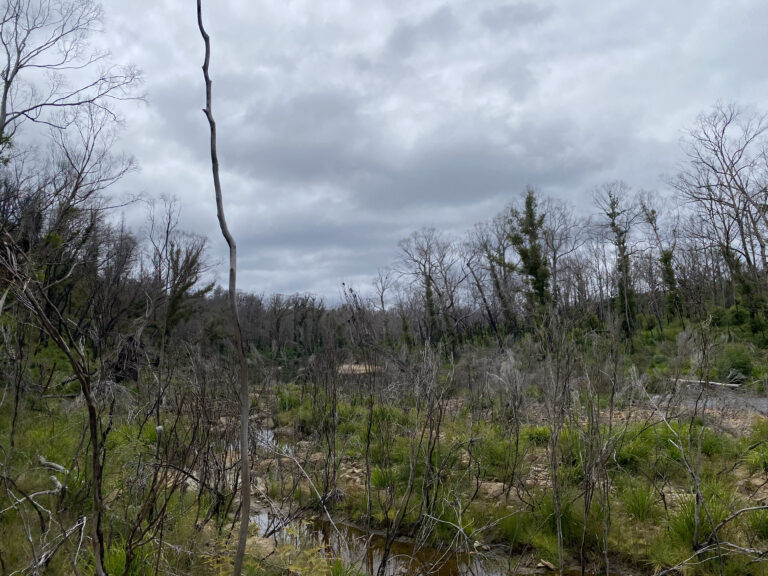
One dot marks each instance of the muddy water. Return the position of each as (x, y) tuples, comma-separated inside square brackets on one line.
[(349, 544), (364, 551)]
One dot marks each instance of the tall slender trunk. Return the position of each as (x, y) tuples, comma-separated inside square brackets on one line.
[(245, 398)]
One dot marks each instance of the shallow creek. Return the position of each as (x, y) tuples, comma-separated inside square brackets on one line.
[(355, 547), (349, 544), (364, 550)]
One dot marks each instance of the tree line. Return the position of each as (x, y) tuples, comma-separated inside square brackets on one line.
[(115, 335)]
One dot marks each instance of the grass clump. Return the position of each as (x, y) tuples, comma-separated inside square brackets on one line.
[(639, 501)]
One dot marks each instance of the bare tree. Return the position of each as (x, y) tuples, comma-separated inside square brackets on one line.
[(245, 398), (563, 235), (558, 372), (491, 242), (42, 41), (67, 212), (726, 182), (430, 258)]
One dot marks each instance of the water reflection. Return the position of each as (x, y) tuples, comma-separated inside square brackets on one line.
[(364, 551)]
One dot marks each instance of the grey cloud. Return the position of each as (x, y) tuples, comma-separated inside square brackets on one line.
[(303, 229), (513, 17), (345, 126), (440, 27), (314, 137), (513, 75)]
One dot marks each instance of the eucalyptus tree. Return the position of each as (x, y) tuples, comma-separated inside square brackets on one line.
[(58, 277), (526, 236), (615, 202), (663, 246)]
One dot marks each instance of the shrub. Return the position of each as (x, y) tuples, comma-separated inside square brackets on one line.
[(636, 449), (287, 399), (719, 316), (536, 435), (759, 429), (715, 444), (757, 460), (114, 560), (517, 528), (571, 518), (380, 479), (736, 359), (682, 523), (738, 315)]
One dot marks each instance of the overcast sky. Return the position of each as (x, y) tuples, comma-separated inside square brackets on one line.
[(346, 125)]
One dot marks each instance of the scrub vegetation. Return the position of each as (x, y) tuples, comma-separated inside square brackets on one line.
[(551, 392)]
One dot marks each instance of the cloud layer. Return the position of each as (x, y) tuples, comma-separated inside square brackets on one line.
[(345, 125)]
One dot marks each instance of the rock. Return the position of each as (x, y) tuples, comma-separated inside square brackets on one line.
[(546, 564), (317, 458), (302, 447), (492, 489), (260, 486), (260, 547), (284, 431)]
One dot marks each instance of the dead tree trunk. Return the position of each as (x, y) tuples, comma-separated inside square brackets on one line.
[(245, 398)]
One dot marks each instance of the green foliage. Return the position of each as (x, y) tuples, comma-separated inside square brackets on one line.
[(756, 460), (639, 501), (625, 302), (738, 315), (735, 359), (526, 229), (50, 363), (448, 523), (682, 523), (636, 448), (571, 517), (115, 559), (758, 431), (517, 528), (719, 316), (352, 421), (545, 544), (714, 444), (380, 479), (494, 449), (387, 417), (536, 435), (758, 524), (570, 455), (288, 398)]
